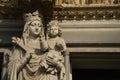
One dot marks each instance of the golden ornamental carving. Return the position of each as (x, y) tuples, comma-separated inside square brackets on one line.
[(87, 13), (81, 3)]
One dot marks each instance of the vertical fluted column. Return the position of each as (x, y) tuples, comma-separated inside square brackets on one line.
[(67, 65), (58, 2)]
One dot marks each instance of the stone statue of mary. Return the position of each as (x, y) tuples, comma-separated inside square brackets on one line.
[(26, 60)]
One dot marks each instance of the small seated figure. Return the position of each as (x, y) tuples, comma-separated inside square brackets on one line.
[(56, 45)]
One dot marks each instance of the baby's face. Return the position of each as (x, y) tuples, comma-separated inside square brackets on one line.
[(54, 31)]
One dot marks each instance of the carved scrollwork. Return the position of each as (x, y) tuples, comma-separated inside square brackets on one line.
[(87, 13), (80, 3)]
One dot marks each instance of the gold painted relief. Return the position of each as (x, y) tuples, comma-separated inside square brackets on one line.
[(79, 3)]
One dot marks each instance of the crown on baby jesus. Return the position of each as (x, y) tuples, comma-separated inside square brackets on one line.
[(32, 16)]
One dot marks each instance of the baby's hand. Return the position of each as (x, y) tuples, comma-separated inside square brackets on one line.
[(59, 47)]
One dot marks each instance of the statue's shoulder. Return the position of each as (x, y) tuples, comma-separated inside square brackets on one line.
[(60, 39)]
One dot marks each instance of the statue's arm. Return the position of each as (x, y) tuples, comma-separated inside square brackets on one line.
[(64, 45), (44, 44), (61, 45)]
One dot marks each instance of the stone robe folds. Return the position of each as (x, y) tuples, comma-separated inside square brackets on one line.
[(22, 66)]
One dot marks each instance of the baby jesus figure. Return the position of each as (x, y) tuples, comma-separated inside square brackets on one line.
[(56, 46)]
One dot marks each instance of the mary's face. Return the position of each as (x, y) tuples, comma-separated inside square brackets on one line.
[(35, 28)]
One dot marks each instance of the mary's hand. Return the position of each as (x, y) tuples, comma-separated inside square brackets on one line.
[(51, 61), (54, 62)]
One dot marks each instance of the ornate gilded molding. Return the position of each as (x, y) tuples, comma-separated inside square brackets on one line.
[(87, 13), (81, 3)]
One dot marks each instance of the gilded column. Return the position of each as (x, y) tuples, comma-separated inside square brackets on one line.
[(58, 2), (83, 2)]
